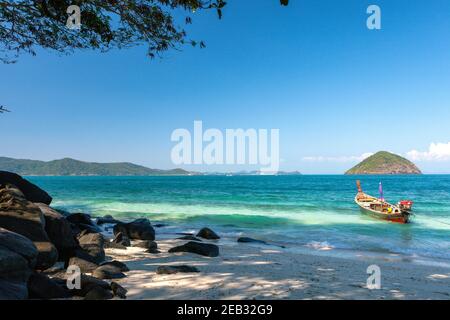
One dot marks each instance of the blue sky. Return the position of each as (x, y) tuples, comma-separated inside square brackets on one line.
[(335, 89)]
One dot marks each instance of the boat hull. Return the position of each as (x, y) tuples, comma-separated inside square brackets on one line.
[(400, 218)]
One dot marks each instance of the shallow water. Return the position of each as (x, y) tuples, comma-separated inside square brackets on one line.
[(317, 212)]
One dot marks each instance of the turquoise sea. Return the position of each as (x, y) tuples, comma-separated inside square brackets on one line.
[(315, 212)]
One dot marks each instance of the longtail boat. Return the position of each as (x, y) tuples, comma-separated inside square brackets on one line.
[(379, 208)]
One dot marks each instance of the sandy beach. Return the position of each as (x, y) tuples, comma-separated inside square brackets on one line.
[(250, 271)]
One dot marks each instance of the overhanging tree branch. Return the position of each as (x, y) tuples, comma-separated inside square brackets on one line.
[(3, 109), (106, 24)]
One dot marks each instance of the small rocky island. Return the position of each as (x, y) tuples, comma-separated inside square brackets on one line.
[(385, 163)]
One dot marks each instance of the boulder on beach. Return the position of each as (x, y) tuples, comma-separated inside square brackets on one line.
[(48, 255), (59, 231), (151, 246), (12, 289), (112, 245), (87, 283), (250, 240), (140, 229), (189, 237), (120, 265), (108, 219), (176, 269), (81, 228), (85, 266), (99, 293), (80, 218), (40, 286), (93, 245), (204, 249), (146, 244), (82, 223), (118, 290), (31, 192), (20, 245), (21, 216), (18, 257), (108, 271), (121, 239), (207, 233)]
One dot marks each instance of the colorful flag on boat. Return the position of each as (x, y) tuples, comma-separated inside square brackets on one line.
[(381, 192)]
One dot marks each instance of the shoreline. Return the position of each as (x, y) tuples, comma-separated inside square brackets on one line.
[(254, 271), (167, 230)]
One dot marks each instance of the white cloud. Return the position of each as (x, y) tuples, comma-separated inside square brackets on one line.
[(338, 159), (436, 152)]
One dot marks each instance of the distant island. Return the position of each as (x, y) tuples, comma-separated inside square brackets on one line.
[(72, 167), (384, 163)]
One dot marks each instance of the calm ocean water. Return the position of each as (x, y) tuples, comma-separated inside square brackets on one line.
[(310, 211)]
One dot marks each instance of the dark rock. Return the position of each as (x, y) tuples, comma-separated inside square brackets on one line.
[(21, 216), (113, 245), (87, 228), (107, 220), (80, 253), (59, 231), (18, 256), (140, 229), (20, 245), (120, 265), (108, 272), (147, 244), (40, 286), (250, 240), (99, 293), (153, 251), (87, 283), (84, 265), (92, 244), (204, 249), (63, 212), (207, 233), (11, 289), (13, 265), (189, 237), (175, 269), (121, 239), (81, 229), (31, 192), (47, 256), (80, 218), (118, 290), (120, 228), (160, 225)]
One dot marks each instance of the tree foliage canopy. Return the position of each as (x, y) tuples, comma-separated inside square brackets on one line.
[(105, 24)]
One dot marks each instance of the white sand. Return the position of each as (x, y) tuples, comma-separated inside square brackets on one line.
[(247, 271)]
